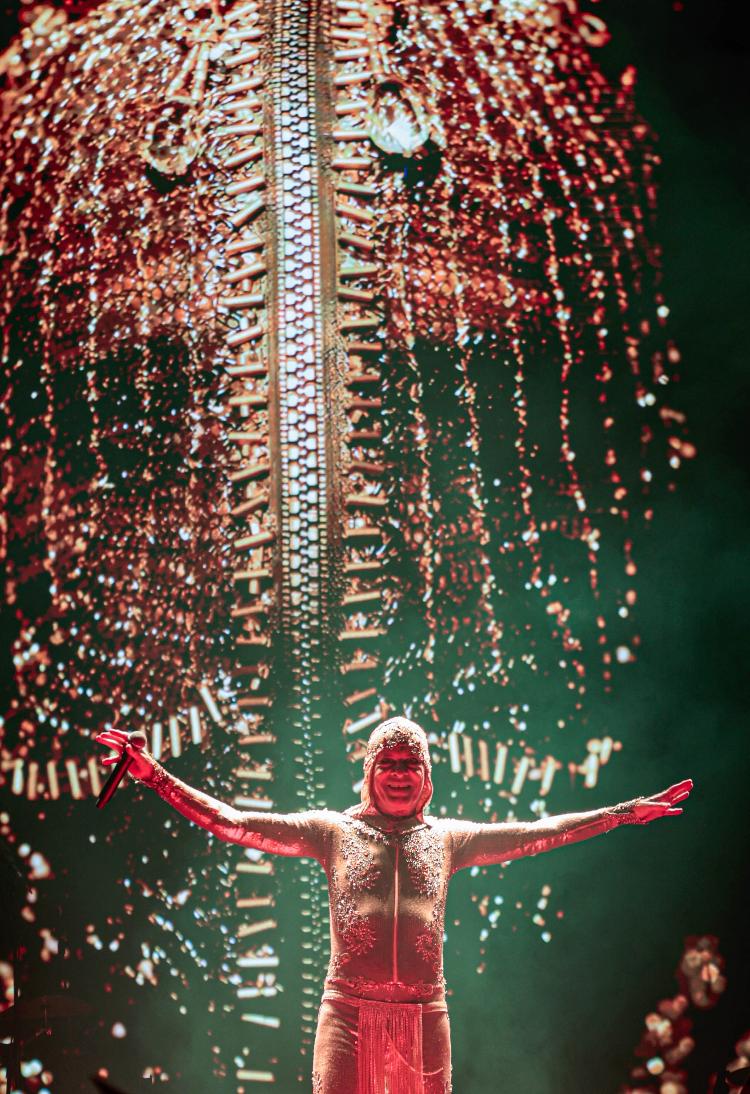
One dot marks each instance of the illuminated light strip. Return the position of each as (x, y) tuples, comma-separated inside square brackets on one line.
[(255, 902), (501, 760), (359, 696), (257, 539), (246, 929), (355, 53), (252, 803), (156, 740), (254, 773), (252, 399), (243, 58), (359, 664), (455, 753), (175, 743), (354, 106), (346, 34), (240, 435), (549, 769), (184, 72), (361, 724), (349, 135), (73, 779), (234, 106), (248, 1076), (352, 163), (524, 766), (364, 531), (367, 501), (52, 780), (468, 757), (360, 402), (196, 730), (358, 190), (252, 575), (247, 213), (484, 761), (245, 300), (346, 79), (354, 240), (244, 34), (250, 269), (250, 366), (239, 129), (604, 748), (361, 597), (237, 86), (210, 703), (263, 1020), (265, 991), (246, 185), (255, 868), (92, 766), (591, 770), (370, 376), (364, 216), (247, 243), (233, 15), (241, 337), (367, 322), (360, 634), (366, 435), (258, 961)]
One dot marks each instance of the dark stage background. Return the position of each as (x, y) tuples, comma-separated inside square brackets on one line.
[(569, 1014), (564, 1017)]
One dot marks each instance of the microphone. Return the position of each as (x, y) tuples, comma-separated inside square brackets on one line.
[(119, 770)]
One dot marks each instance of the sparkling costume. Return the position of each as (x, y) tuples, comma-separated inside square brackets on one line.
[(383, 1023)]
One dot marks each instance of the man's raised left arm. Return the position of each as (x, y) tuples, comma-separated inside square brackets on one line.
[(485, 844)]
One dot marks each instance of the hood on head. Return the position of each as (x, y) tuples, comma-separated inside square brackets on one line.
[(390, 733)]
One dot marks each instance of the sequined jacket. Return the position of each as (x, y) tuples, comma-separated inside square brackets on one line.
[(387, 879)]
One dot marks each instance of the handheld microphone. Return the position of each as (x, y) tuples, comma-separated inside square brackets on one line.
[(119, 771)]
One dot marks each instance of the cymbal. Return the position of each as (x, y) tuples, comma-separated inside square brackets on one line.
[(40, 1009)]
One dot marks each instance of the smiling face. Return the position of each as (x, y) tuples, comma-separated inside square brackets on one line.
[(398, 781)]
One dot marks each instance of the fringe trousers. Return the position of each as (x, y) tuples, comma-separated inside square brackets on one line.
[(364, 1046)]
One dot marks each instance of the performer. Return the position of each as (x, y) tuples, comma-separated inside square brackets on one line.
[(383, 1021)]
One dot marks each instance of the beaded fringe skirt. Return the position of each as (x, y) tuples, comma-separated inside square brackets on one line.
[(364, 1046)]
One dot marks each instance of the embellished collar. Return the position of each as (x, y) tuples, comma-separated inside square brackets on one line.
[(391, 826)]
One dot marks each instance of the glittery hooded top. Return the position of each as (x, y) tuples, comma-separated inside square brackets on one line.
[(388, 889), (387, 877)]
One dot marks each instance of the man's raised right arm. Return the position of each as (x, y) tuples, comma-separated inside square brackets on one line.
[(301, 834)]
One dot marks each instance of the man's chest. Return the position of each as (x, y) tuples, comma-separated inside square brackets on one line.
[(404, 868)]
